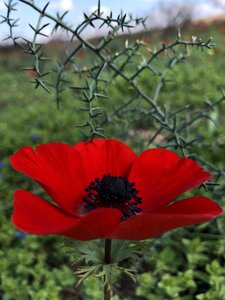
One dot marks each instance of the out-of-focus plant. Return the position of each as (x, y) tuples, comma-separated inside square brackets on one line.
[(105, 66), (91, 81)]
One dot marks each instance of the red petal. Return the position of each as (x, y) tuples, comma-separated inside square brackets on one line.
[(161, 176), (105, 156), (57, 168), (97, 224), (34, 215), (185, 212)]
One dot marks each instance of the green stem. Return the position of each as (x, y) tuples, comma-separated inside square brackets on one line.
[(107, 260)]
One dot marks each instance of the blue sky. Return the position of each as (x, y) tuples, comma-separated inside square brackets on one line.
[(139, 8)]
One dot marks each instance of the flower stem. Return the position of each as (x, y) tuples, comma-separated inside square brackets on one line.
[(108, 242)]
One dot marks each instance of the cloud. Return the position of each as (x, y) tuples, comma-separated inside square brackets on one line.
[(62, 5), (206, 9), (2, 5), (66, 4)]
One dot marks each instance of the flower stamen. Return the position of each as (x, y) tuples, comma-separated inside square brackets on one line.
[(115, 192)]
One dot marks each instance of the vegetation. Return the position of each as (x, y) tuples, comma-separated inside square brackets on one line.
[(185, 264)]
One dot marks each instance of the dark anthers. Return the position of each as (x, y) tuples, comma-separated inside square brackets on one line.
[(115, 192)]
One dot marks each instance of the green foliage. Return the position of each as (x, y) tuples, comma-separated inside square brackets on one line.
[(184, 265), (90, 256), (31, 268), (186, 269), (181, 269)]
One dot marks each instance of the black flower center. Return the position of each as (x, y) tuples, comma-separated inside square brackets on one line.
[(113, 191)]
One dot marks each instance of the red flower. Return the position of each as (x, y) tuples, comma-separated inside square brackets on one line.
[(32, 73), (102, 189), (222, 30)]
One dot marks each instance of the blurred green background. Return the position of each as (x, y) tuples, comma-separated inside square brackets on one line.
[(185, 264)]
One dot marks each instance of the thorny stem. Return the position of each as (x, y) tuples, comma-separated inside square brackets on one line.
[(57, 21), (106, 60), (107, 260)]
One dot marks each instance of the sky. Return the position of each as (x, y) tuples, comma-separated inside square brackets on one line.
[(140, 8)]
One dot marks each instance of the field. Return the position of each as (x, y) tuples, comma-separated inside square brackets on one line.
[(184, 264)]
